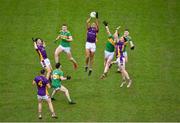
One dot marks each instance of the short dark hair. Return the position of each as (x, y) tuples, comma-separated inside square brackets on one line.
[(126, 29), (64, 24), (43, 71), (57, 65), (36, 39)]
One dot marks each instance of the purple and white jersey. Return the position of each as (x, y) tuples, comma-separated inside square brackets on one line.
[(42, 52), (119, 50), (41, 83), (91, 34)]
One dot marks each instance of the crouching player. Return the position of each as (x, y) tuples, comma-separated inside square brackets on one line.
[(39, 45), (42, 93), (109, 51), (121, 62), (57, 77)]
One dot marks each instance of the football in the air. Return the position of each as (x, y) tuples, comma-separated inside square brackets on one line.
[(93, 14)]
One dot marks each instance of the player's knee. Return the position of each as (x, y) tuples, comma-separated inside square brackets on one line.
[(92, 55), (48, 100), (49, 70), (66, 91), (71, 58), (87, 56), (55, 54)]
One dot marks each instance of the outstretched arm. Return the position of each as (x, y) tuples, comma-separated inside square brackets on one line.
[(97, 24), (131, 45), (58, 37), (34, 42), (65, 78), (88, 22), (44, 44), (33, 82), (35, 46), (107, 28), (116, 33)]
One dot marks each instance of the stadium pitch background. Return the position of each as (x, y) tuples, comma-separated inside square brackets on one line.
[(153, 65)]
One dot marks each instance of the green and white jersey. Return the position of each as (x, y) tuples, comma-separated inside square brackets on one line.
[(56, 81), (110, 43), (128, 39), (63, 41)]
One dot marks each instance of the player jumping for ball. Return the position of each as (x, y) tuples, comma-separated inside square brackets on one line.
[(65, 37), (109, 51), (128, 40), (42, 93), (121, 62), (39, 45), (92, 31), (57, 77)]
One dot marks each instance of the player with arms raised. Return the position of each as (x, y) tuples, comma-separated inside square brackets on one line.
[(129, 41), (65, 39), (42, 93), (57, 77), (39, 45), (92, 31), (110, 47), (121, 61)]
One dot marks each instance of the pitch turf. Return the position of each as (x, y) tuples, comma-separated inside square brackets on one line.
[(153, 65)]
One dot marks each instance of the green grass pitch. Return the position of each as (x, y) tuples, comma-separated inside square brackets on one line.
[(153, 65)]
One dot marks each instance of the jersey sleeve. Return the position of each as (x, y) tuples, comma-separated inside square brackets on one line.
[(61, 73), (130, 39), (36, 79), (69, 34), (110, 36)]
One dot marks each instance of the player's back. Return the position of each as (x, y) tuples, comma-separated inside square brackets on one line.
[(41, 83)]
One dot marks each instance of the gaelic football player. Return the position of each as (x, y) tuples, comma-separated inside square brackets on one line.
[(65, 39), (92, 31), (42, 93), (57, 77), (121, 62), (129, 40), (109, 51), (39, 45)]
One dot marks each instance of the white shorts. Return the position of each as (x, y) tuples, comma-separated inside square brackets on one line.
[(108, 55), (65, 49), (46, 97), (121, 64), (125, 53), (91, 46), (45, 63)]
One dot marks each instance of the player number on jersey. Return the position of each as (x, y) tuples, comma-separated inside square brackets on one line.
[(55, 76), (40, 84)]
